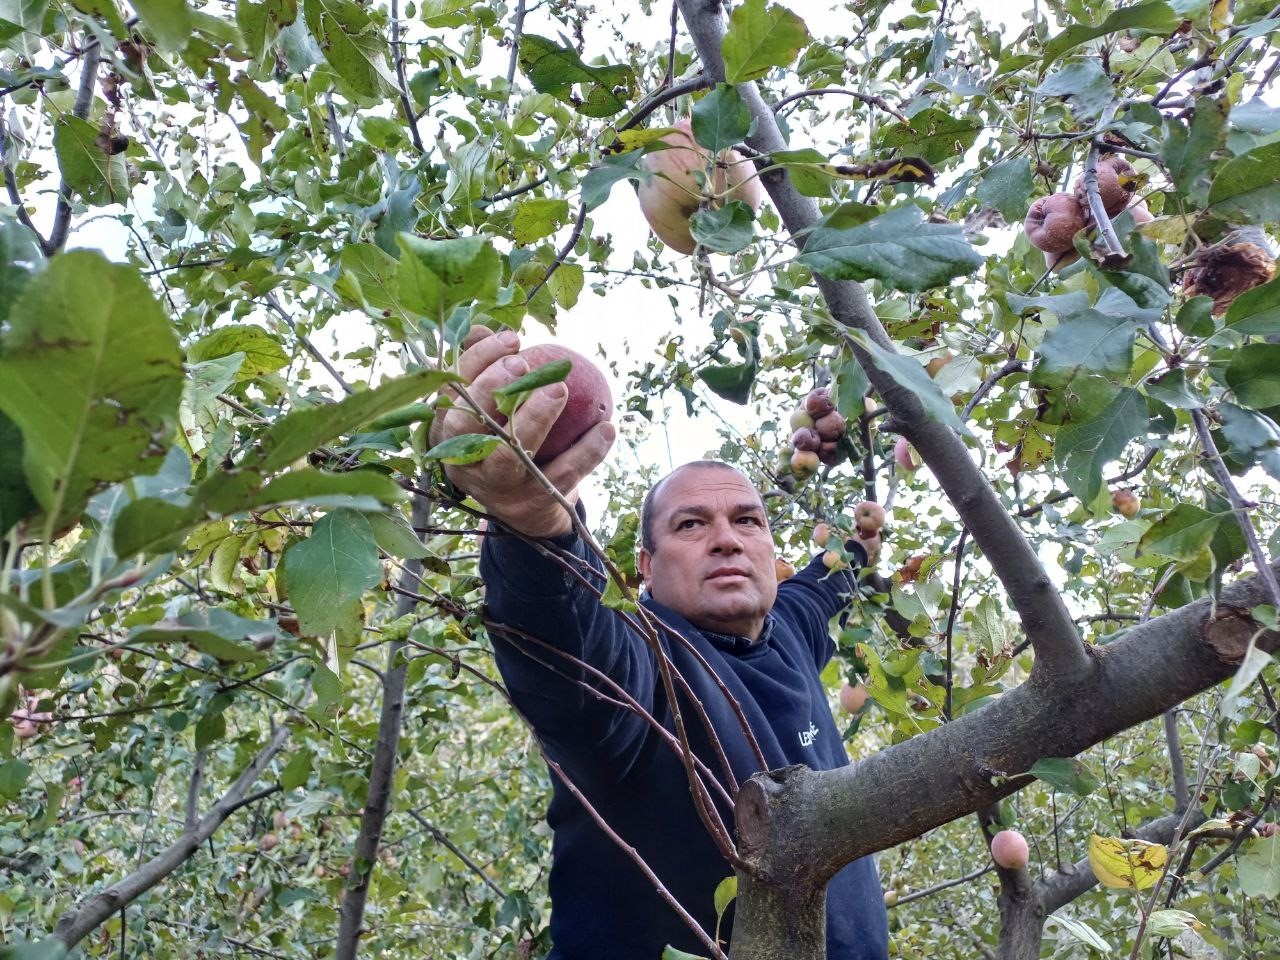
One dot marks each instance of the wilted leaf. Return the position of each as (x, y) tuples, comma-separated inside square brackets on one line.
[(1124, 864)]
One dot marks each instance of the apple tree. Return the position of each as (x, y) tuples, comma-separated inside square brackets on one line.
[(1025, 259)]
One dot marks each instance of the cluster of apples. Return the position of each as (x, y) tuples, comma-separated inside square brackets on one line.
[(1053, 221), (817, 431)]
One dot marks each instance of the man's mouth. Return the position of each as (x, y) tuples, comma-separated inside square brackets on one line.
[(727, 573)]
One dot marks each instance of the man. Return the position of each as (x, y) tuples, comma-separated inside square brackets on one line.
[(707, 564)]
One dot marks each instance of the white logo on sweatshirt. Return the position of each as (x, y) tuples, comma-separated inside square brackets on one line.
[(808, 736)]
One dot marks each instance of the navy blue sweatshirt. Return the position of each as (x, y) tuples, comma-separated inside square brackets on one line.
[(602, 904)]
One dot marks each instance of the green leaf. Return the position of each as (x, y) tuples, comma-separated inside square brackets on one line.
[(1173, 389), (86, 418), (464, 448), (1082, 932), (726, 229), (13, 776), (1251, 437), (510, 396), (220, 633), (1085, 83), (1257, 311), (1253, 374), (538, 218), (297, 771), (897, 248), (1259, 868), (16, 500), (733, 382), (395, 537), (1154, 16), (1063, 773), (436, 275), (1183, 533), (27, 17), (375, 271), (1087, 341), (615, 599), (671, 953), (909, 373), (1188, 151), (168, 20), (20, 258), (1084, 447), (327, 685), (935, 135), (1145, 279), (1247, 188), (99, 177), (353, 45), (556, 70), (721, 119), (260, 25), (49, 949), (726, 892), (599, 181), (1195, 317), (262, 352), (329, 572), (759, 38), (300, 432), (1006, 187)]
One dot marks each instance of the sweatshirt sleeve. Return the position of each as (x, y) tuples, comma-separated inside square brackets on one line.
[(814, 595), (535, 595)]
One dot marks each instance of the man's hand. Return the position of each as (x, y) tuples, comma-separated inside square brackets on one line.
[(501, 482)]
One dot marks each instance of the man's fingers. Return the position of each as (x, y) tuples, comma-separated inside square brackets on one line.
[(576, 464), (537, 415), (487, 350), (461, 418)]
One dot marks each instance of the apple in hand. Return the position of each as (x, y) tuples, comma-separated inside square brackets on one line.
[(590, 400)]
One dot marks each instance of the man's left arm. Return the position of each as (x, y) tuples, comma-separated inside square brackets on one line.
[(815, 594)]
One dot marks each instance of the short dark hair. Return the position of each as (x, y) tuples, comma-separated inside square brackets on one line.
[(647, 539)]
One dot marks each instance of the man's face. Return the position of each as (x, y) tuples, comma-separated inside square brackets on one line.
[(713, 554)]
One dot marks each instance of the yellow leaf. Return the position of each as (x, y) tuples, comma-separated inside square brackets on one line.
[(634, 139), (1220, 15), (1126, 864)]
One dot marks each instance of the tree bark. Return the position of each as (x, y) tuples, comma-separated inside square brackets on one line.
[(378, 799), (799, 826)]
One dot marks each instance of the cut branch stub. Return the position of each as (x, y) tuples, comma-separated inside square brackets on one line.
[(1228, 632)]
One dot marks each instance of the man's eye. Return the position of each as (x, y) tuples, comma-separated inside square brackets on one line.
[(686, 524), (749, 519)]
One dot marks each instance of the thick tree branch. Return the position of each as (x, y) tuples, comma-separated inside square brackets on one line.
[(382, 770), (84, 100), (972, 762), (1044, 615), (80, 921)]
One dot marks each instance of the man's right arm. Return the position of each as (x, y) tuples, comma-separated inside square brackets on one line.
[(552, 629)]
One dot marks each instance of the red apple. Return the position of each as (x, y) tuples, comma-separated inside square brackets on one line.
[(818, 403), (869, 516), (905, 455), (1009, 850), (853, 698), (590, 400)]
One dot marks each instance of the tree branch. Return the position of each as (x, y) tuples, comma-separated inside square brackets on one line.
[(382, 770), (977, 759), (1044, 615), (84, 100), (80, 921)]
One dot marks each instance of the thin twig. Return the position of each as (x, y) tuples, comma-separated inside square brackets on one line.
[(310, 347), (1219, 470), (870, 100), (397, 54), (517, 31), (638, 860)]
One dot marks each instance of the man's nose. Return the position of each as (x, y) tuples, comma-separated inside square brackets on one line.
[(725, 536)]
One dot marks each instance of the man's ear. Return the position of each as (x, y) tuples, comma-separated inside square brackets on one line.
[(644, 563)]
